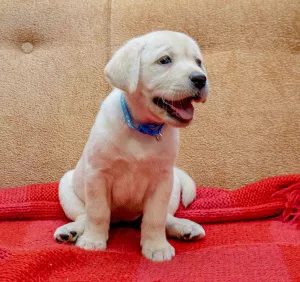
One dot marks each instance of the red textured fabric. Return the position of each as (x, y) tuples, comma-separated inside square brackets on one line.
[(262, 250)]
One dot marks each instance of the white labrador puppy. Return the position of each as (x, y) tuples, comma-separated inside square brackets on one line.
[(127, 167)]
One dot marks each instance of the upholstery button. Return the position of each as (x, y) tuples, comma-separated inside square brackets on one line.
[(27, 47)]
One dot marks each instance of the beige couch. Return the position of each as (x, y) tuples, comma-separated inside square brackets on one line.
[(52, 56)]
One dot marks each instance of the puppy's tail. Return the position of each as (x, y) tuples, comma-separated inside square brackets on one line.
[(188, 186)]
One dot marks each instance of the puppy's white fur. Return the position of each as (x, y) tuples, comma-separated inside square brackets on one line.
[(124, 174)]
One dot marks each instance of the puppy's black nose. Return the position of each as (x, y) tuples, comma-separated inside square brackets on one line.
[(198, 79)]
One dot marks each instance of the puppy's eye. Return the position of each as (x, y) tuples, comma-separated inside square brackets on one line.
[(164, 60), (198, 62)]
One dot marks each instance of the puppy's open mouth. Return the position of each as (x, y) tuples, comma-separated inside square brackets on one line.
[(181, 110)]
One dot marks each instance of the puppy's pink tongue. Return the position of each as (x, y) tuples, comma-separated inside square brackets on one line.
[(184, 109)]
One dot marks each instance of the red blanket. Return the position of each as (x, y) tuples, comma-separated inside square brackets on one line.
[(235, 250)]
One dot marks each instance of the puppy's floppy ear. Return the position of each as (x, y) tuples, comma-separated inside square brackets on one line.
[(122, 71)]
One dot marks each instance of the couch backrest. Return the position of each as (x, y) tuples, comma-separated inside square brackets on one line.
[(52, 56)]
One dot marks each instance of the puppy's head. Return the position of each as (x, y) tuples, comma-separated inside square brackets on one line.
[(164, 72)]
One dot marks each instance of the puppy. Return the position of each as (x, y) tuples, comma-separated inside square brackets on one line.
[(127, 167)]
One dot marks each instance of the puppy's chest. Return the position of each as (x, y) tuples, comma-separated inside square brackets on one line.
[(152, 151), (129, 187), (129, 184), (133, 170), (140, 151), (131, 177)]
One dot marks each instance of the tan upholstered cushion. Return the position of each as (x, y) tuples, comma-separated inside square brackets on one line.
[(52, 59), (51, 95)]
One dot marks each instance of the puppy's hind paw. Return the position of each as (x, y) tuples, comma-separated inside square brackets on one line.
[(192, 231), (68, 233), (184, 229)]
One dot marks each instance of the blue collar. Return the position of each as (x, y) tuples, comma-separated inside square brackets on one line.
[(152, 129)]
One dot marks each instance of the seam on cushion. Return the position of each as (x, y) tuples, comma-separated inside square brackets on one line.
[(108, 42), (109, 28)]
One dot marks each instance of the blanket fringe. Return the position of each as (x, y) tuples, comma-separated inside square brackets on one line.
[(291, 196)]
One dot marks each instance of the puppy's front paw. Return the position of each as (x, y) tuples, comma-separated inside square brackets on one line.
[(89, 242), (158, 251)]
